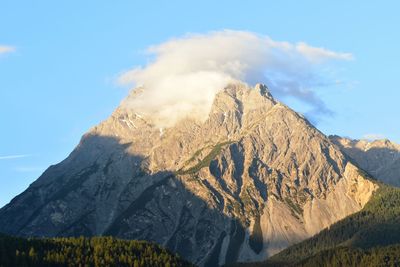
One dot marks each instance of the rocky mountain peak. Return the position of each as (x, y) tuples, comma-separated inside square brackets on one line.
[(243, 92), (251, 179), (263, 89)]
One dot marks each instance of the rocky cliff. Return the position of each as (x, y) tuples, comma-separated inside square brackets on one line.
[(252, 179), (380, 158)]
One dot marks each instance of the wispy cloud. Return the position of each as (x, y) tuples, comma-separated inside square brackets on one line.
[(316, 54), (187, 72), (6, 49), (14, 156)]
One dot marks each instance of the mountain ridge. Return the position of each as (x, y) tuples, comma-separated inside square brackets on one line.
[(380, 158)]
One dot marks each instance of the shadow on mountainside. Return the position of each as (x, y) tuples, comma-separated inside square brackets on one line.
[(102, 189)]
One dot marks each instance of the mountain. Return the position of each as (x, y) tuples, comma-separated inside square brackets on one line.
[(380, 158), (370, 237), (250, 180), (96, 251)]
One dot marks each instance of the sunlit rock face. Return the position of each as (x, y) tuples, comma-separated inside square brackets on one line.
[(250, 180), (380, 158)]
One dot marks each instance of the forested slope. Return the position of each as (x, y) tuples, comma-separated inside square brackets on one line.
[(97, 251)]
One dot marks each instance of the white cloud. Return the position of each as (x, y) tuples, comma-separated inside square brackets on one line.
[(14, 156), (373, 136), (187, 72), (6, 49), (316, 54)]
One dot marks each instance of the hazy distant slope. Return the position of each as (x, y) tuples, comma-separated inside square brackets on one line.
[(380, 158)]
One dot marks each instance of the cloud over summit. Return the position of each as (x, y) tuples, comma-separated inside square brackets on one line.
[(187, 72)]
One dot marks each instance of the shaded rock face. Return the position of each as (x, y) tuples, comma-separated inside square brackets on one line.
[(380, 158), (252, 179)]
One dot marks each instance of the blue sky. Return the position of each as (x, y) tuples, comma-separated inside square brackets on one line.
[(60, 79)]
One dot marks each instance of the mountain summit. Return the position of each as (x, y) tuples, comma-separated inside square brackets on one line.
[(250, 180)]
